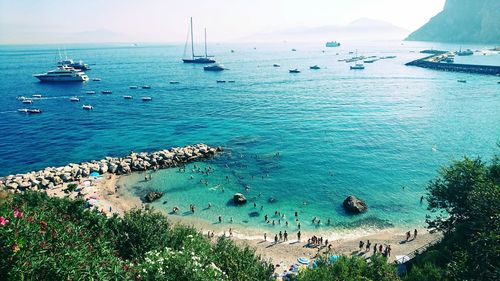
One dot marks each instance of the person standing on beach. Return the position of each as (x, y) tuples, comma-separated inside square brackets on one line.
[(361, 244), (276, 239), (265, 236), (380, 248), (375, 248), (388, 250), (298, 236), (220, 219), (368, 244), (408, 235), (281, 235), (285, 235), (415, 232)]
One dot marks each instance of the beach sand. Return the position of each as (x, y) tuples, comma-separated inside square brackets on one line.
[(281, 254)]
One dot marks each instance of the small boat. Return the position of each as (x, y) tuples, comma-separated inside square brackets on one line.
[(390, 57), (174, 82), (232, 51), (90, 92), (295, 70), (127, 97), (214, 67), (314, 67), (96, 79), (462, 81), (147, 98), (87, 107), (21, 98), (106, 92), (467, 52), (23, 110), (146, 87), (230, 81), (37, 96), (74, 99), (221, 81), (332, 44), (294, 50), (358, 66), (27, 101), (132, 87), (370, 61), (34, 110), (276, 65)]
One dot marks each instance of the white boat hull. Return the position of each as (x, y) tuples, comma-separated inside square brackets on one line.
[(44, 78)]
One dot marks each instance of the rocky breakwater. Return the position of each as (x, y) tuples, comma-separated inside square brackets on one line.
[(53, 177)]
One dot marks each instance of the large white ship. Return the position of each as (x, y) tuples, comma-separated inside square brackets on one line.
[(63, 74)]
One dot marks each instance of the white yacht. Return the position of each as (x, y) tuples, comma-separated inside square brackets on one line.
[(87, 107), (74, 99), (63, 74), (147, 99), (37, 96), (127, 97), (80, 65), (214, 67)]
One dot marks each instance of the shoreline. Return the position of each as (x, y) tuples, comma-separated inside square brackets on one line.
[(282, 254)]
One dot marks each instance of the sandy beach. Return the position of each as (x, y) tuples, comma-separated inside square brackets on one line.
[(105, 194)]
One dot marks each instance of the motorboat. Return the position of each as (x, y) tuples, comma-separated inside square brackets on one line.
[(63, 74), (214, 67), (206, 59), (132, 87), (74, 99), (332, 44), (221, 81), (231, 81), (27, 101), (96, 79), (146, 87), (127, 97), (467, 52), (37, 96), (90, 92), (21, 98), (34, 110), (276, 65), (295, 70), (370, 60), (106, 92), (314, 67), (87, 107), (23, 110), (147, 98), (358, 66), (462, 81), (174, 82)]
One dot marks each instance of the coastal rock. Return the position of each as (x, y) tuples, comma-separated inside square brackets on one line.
[(354, 205), (152, 196), (239, 199)]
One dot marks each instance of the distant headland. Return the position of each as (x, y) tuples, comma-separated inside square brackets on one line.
[(463, 21)]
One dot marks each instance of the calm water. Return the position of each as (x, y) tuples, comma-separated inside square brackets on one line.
[(337, 131)]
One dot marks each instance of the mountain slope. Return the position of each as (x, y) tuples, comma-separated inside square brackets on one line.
[(462, 21)]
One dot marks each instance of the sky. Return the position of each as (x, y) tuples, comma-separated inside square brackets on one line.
[(63, 21)]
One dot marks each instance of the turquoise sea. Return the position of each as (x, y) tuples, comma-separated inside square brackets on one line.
[(307, 139)]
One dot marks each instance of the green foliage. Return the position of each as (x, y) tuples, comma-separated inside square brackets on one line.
[(44, 238), (352, 269), (71, 187), (466, 196), (427, 272)]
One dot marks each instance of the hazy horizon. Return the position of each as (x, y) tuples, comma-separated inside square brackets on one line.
[(34, 22)]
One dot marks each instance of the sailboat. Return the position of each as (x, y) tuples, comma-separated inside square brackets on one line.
[(206, 59)]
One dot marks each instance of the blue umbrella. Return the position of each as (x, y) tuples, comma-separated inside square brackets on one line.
[(94, 174), (303, 260)]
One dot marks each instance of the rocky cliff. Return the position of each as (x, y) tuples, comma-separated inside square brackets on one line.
[(463, 21)]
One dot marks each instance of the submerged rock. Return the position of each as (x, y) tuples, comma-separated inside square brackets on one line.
[(152, 196), (354, 205), (272, 199), (239, 199)]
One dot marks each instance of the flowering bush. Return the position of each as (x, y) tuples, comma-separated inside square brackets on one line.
[(44, 238)]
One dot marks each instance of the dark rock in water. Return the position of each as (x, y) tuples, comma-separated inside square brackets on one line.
[(239, 199), (152, 196), (254, 214), (272, 200), (354, 205)]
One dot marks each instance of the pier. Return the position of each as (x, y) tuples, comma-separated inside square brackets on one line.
[(435, 61)]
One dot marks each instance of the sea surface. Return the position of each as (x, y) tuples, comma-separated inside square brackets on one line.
[(308, 140)]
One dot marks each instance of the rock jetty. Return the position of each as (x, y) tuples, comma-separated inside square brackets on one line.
[(52, 177), (152, 196)]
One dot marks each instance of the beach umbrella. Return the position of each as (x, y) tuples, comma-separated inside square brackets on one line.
[(94, 174), (333, 258), (402, 259), (303, 260)]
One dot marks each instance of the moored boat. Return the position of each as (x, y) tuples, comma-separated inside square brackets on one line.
[(106, 92), (332, 44), (127, 97), (214, 67), (62, 74), (147, 98), (37, 96), (90, 92), (314, 67), (87, 107), (358, 66), (146, 87), (295, 70)]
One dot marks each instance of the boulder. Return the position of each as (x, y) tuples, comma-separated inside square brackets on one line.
[(354, 205), (239, 199), (152, 196)]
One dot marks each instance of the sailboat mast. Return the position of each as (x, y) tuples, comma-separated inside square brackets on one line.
[(206, 55), (192, 42)]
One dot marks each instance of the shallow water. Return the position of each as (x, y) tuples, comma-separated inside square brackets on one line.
[(337, 131)]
